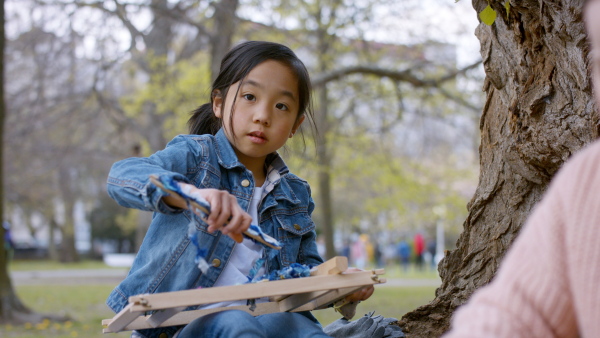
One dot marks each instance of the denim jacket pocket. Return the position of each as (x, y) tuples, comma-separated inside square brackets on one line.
[(290, 232)]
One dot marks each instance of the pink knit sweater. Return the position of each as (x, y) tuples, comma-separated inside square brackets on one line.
[(548, 285)]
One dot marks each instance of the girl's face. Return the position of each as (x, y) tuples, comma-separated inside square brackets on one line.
[(266, 112)]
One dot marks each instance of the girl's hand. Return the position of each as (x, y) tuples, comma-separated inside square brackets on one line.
[(226, 214), (362, 294)]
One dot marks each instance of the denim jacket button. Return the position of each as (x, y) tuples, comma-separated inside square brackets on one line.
[(297, 227), (163, 335), (216, 262), (245, 183)]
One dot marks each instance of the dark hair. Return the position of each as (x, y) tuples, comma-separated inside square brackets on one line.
[(236, 65)]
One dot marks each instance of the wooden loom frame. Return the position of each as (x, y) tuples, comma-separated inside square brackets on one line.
[(328, 284)]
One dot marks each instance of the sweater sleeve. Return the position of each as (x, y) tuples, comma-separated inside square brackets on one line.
[(545, 286)]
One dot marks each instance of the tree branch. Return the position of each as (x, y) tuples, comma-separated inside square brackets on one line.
[(460, 101), (402, 76)]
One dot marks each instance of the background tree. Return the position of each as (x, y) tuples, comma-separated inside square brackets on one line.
[(538, 112), (12, 310), (352, 72), (56, 140)]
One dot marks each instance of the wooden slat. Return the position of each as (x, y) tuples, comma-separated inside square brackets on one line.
[(328, 299), (297, 300), (123, 318), (333, 266), (185, 317), (160, 316), (187, 298)]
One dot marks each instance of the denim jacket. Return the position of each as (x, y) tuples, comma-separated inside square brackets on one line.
[(165, 261)]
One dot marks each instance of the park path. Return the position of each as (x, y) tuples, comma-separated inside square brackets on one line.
[(114, 276), (68, 277)]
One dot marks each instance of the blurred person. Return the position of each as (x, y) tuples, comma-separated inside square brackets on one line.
[(369, 249), (419, 248), (346, 250), (547, 285), (389, 253), (358, 252), (431, 250), (378, 255), (404, 254)]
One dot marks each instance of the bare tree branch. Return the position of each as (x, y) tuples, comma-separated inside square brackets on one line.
[(402, 75), (460, 100)]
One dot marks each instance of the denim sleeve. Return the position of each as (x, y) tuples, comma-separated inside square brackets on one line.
[(128, 180)]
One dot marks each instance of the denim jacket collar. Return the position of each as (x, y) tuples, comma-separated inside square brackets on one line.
[(225, 153), (228, 158)]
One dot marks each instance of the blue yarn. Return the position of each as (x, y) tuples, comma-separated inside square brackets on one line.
[(172, 185), (201, 253), (294, 270), (257, 231)]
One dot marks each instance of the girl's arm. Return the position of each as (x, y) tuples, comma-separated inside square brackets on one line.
[(129, 184), (128, 180)]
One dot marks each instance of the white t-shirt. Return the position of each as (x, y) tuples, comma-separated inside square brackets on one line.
[(242, 260)]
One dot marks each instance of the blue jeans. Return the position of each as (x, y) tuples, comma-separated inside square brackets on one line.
[(235, 323)]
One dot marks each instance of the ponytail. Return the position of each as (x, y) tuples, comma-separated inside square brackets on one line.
[(204, 121)]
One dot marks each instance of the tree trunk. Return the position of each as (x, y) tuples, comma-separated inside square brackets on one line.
[(12, 310), (52, 250), (539, 111), (10, 306), (225, 26), (324, 151), (324, 174), (68, 252)]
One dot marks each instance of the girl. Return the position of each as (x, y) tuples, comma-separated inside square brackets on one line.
[(258, 101)]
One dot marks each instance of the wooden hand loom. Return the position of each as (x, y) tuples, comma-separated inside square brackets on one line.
[(327, 285)]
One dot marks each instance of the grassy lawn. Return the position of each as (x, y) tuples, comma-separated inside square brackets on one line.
[(386, 301), (84, 304), (412, 272)]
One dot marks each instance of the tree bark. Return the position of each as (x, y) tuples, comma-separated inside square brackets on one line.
[(538, 112)]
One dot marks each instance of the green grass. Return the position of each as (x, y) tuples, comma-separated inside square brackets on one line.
[(85, 305), (386, 301), (394, 271)]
